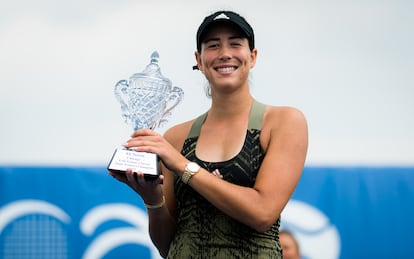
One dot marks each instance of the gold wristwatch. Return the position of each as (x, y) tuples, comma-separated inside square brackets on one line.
[(190, 170)]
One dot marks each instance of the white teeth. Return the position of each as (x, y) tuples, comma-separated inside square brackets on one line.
[(225, 69)]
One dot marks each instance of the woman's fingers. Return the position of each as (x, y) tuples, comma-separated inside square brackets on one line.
[(217, 173)]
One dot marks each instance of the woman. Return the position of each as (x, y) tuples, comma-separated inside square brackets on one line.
[(290, 246), (228, 174)]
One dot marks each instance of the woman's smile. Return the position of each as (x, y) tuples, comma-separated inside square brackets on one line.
[(226, 69)]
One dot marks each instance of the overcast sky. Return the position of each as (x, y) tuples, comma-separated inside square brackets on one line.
[(348, 65)]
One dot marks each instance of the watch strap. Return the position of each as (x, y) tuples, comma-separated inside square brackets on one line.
[(186, 177), (188, 173)]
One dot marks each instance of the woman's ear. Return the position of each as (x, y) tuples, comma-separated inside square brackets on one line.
[(198, 59), (253, 57)]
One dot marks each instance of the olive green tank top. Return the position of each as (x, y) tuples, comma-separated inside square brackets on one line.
[(203, 231)]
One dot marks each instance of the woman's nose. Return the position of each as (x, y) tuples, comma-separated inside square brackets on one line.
[(224, 53)]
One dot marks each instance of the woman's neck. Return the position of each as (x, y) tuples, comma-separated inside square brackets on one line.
[(226, 107)]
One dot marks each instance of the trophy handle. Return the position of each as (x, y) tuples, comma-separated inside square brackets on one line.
[(121, 94), (175, 97)]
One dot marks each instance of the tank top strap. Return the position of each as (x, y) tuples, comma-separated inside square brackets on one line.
[(255, 119), (196, 127), (256, 115)]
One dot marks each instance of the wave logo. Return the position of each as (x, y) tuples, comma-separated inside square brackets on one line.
[(316, 236), (36, 230), (137, 234)]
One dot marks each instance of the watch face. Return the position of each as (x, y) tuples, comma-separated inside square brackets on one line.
[(193, 167)]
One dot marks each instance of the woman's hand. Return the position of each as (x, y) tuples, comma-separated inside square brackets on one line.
[(149, 190), (146, 140)]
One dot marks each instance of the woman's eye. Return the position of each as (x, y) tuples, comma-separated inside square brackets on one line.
[(213, 46)]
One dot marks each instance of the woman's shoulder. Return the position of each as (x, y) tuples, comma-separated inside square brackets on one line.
[(284, 116), (285, 123), (178, 133), (284, 112)]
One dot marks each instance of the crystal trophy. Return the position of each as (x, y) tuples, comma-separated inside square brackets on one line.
[(146, 101)]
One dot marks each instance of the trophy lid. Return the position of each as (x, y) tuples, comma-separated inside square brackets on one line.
[(152, 71)]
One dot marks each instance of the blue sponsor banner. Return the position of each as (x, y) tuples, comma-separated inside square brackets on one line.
[(70, 213), (335, 212), (363, 212)]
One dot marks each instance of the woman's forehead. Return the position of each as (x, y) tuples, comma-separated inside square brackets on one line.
[(222, 27)]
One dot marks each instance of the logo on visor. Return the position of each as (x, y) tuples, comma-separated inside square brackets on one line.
[(221, 16)]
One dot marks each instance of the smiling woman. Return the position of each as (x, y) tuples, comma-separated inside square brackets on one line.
[(228, 173), (228, 35), (226, 55)]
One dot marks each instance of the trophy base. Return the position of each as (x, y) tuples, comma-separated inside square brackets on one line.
[(144, 162)]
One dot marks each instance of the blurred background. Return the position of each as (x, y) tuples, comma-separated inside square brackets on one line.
[(348, 65)]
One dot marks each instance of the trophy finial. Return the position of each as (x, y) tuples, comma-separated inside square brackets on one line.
[(154, 57), (153, 68)]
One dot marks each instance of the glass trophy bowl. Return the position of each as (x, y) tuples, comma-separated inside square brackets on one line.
[(146, 99)]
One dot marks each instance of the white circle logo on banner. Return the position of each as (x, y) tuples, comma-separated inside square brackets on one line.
[(316, 236)]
